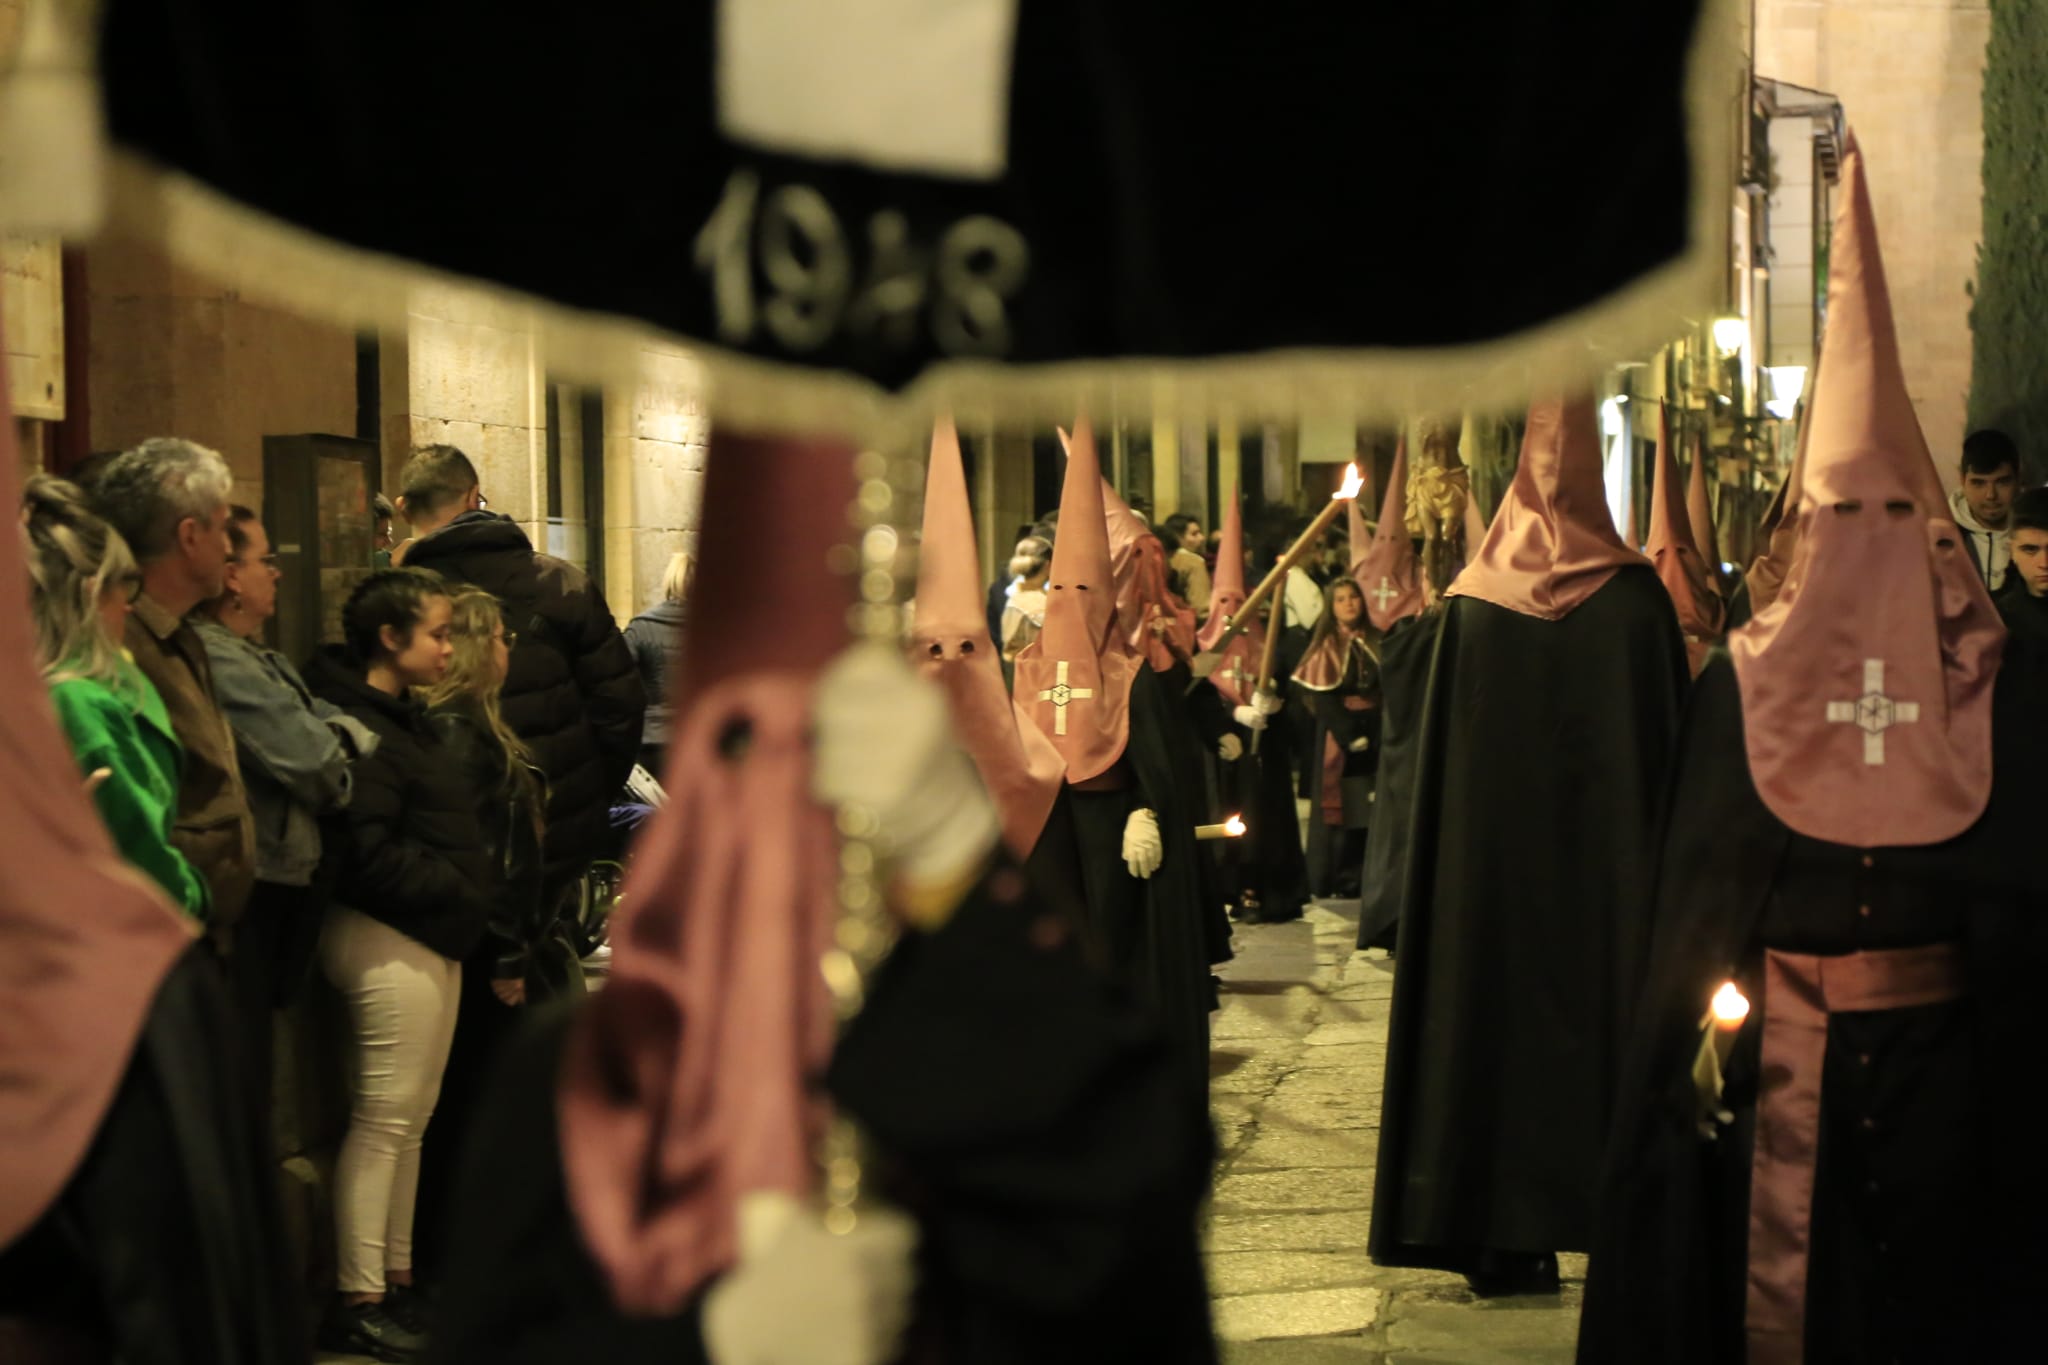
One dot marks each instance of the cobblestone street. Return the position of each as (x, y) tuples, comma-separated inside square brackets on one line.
[(1297, 1058)]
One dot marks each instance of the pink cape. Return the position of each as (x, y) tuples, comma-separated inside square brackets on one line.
[(1867, 685), (950, 645), (1552, 544), (688, 1081), (1154, 622)]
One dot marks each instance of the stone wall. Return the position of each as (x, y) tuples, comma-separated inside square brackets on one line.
[(1910, 76), (173, 354), (655, 442)]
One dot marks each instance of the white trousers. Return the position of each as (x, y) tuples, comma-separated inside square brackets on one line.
[(402, 998)]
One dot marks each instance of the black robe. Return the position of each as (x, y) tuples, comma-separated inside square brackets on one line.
[(1199, 723), (1405, 656), (1044, 1137), (1928, 1202), (1148, 934), (1544, 754), (167, 1246)]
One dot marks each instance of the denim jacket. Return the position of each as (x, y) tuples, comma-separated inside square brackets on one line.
[(295, 751)]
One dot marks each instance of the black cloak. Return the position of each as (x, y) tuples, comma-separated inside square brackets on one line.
[(1405, 658), (1942, 1260), (1542, 762), (167, 1246), (1041, 1132)]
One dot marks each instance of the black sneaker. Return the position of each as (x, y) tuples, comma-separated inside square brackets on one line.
[(372, 1329), (413, 1306)]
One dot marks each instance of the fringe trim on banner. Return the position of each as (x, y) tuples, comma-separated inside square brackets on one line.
[(274, 262)]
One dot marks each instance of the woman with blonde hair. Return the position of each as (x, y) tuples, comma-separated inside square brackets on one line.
[(85, 582), (520, 952)]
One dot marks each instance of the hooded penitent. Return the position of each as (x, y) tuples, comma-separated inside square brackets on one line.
[(1780, 526), (1154, 622), (1699, 514), (1866, 686), (1552, 544), (1684, 572), (688, 1081), (1236, 674), (1389, 574), (1074, 680), (85, 941), (950, 645)]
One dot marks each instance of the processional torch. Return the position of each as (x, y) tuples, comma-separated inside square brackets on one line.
[(1205, 662)]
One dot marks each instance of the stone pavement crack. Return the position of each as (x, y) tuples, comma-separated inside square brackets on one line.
[(1297, 1059)]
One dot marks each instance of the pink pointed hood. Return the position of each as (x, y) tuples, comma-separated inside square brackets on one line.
[(1354, 521), (950, 645), (1154, 622), (1389, 574), (1074, 680), (1867, 685), (1236, 674), (1699, 515), (1679, 565), (1552, 544)]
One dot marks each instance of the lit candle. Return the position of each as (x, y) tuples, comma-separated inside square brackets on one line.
[(1722, 1022), (1233, 828)]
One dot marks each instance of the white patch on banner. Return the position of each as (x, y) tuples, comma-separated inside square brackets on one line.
[(902, 85)]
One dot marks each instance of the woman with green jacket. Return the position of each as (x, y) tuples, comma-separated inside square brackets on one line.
[(85, 582)]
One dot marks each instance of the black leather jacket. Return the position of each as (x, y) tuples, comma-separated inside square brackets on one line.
[(519, 916)]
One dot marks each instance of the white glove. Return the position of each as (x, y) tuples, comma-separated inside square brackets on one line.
[(855, 1289), (1143, 849), (885, 743), (1361, 744), (1272, 703), (1230, 748), (1250, 717)]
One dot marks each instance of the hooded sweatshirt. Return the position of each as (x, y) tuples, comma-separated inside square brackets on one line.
[(1991, 549)]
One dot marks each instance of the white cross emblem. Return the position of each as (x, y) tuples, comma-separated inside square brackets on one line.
[(1873, 713), (1059, 694), (1236, 674), (1384, 593)]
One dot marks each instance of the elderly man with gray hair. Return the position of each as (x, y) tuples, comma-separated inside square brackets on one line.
[(169, 500)]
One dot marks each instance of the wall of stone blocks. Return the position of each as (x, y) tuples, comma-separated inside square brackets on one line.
[(1910, 76), (656, 440), (174, 354)]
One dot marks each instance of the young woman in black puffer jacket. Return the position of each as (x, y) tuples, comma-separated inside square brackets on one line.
[(522, 957), (411, 902)]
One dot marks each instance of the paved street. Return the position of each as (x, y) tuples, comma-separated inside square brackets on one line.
[(1298, 1055)]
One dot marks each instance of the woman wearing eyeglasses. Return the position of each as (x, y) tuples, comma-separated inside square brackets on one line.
[(84, 585), (294, 751)]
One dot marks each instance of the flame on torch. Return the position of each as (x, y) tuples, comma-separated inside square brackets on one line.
[(1233, 828), (1353, 483)]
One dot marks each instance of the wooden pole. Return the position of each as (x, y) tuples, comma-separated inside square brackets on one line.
[(1205, 662), (1274, 620)]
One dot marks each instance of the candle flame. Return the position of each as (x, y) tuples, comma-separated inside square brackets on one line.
[(1353, 482), (1234, 826), (1730, 1006)]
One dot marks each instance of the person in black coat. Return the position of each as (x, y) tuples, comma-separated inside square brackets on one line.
[(412, 899), (656, 638), (573, 694)]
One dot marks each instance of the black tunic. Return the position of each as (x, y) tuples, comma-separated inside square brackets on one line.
[(166, 1247), (1149, 934), (1927, 1203), (1545, 750), (1405, 658), (1047, 1142)]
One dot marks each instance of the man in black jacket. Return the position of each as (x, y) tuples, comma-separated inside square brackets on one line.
[(573, 693)]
